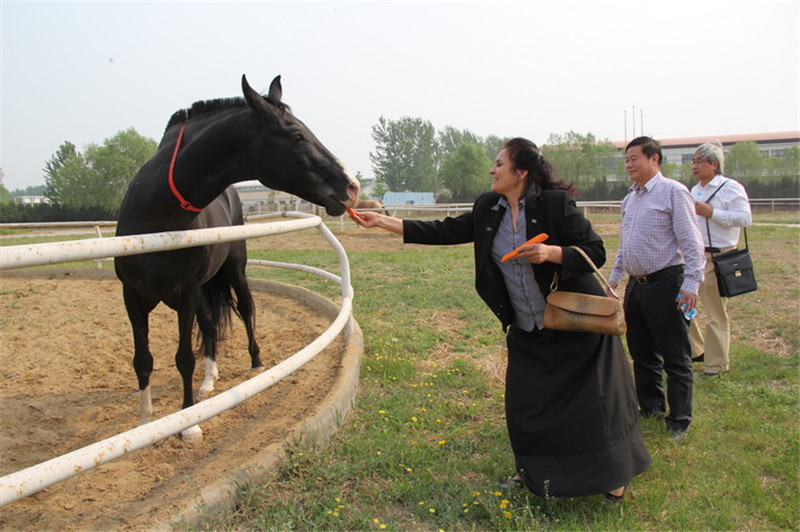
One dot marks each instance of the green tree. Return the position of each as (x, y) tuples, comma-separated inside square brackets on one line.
[(406, 154), (465, 172), (672, 170), (450, 139), (492, 145), (5, 196), (116, 162), (789, 164), (745, 160), (68, 177), (581, 159), (32, 190), (100, 176)]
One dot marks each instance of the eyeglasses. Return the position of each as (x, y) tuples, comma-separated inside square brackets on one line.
[(700, 161)]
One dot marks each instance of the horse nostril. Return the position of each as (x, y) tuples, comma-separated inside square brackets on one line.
[(353, 191)]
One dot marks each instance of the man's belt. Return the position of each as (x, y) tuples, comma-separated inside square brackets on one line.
[(666, 273)]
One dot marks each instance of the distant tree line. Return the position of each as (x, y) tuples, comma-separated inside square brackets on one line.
[(86, 185), (763, 176), (410, 155)]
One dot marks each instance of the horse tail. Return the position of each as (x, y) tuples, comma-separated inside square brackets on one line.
[(219, 299)]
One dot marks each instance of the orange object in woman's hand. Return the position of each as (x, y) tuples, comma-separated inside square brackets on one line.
[(354, 216), (541, 237)]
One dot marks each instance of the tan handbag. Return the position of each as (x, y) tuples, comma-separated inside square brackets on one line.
[(572, 311)]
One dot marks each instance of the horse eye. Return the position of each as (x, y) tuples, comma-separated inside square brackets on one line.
[(297, 137)]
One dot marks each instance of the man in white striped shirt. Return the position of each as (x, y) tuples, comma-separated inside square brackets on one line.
[(722, 207), (661, 250)]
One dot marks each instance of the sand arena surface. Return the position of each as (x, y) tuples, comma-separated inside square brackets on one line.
[(68, 381)]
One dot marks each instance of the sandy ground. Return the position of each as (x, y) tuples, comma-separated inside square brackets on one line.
[(67, 381)]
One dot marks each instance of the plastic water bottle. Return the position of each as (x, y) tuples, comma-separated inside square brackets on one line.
[(692, 314)]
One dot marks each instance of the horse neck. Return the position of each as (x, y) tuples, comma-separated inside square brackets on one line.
[(207, 161)]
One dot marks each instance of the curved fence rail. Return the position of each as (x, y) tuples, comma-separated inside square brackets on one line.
[(36, 478)]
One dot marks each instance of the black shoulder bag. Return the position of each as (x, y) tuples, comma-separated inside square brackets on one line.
[(734, 269)]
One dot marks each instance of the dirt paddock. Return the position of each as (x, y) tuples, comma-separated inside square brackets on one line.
[(67, 381)]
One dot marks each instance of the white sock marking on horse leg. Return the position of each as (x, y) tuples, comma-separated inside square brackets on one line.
[(145, 406), (212, 374), (192, 434)]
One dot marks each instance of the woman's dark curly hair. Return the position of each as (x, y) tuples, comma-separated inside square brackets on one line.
[(525, 155)]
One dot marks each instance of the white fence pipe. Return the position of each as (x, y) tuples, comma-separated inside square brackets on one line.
[(58, 225), (298, 267), (24, 256), (36, 478)]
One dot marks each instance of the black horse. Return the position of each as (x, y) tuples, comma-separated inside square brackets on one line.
[(187, 185)]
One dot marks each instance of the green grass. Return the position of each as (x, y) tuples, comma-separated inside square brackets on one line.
[(426, 445)]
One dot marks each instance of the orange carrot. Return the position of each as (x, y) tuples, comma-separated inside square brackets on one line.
[(541, 237), (355, 216)]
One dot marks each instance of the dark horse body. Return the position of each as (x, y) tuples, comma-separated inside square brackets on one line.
[(187, 185)]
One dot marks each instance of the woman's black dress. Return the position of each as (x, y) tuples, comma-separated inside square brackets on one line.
[(571, 412)]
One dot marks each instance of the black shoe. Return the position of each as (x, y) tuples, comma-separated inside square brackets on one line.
[(708, 374), (678, 435), (699, 358), (615, 500)]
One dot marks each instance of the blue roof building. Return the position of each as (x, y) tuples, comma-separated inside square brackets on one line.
[(408, 198)]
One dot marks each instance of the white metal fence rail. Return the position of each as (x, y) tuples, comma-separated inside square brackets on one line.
[(36, 478)]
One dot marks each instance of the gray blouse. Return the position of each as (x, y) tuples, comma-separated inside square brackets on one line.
[(526, 298)]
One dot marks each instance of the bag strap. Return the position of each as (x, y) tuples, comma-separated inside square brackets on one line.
[(708, 228), (554, 284)]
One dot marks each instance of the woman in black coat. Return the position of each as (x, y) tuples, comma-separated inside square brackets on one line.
[(570, 403)]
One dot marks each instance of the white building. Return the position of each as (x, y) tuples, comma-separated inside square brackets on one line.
[(31, 200), (681, 150), (408, 198)]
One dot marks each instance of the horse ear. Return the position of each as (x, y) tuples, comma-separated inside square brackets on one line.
[(275, 90), (254, 100)]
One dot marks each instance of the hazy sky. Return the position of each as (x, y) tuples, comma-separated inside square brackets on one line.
[(82, 71)]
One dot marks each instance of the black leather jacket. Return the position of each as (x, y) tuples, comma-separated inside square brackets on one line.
[(553, 212)]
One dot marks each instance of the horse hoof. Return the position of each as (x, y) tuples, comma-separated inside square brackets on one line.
[(202, 393), (258, 369), (192, 434)]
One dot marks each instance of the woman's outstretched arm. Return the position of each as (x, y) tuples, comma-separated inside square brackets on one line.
[(375, 219)]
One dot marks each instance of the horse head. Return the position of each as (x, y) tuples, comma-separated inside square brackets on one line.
[(286, 155)]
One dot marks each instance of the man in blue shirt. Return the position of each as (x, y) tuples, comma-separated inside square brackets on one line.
[(661, 250)]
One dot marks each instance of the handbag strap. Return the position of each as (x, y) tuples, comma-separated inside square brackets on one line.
[(554, 285), (708, 227)]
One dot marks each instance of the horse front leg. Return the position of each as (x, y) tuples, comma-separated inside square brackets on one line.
[(138, 314), (184, 360)]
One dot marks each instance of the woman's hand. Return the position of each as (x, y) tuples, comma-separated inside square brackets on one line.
[(371, 219), (539, 253)]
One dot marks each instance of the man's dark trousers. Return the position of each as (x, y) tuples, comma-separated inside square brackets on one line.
[(658, 342)]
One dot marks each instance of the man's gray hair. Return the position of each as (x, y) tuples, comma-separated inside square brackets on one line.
[(712, 150)]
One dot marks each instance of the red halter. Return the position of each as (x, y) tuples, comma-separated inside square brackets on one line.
[(184, 203)]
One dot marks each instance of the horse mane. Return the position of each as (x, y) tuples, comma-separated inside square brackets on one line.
[(206, 107)]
